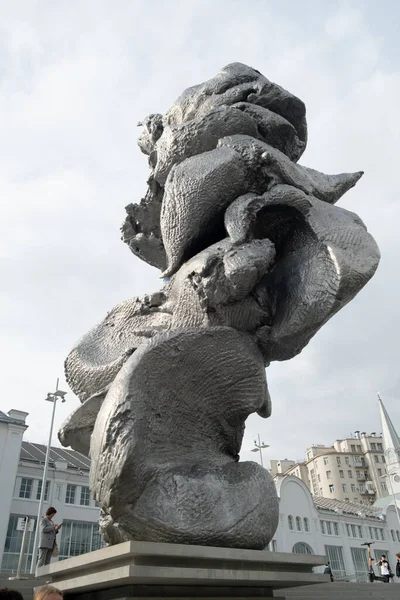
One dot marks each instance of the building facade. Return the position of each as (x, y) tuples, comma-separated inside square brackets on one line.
[(67, 489), (352, 470), (340, 530)]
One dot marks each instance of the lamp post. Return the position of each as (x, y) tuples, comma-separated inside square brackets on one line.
[(259, 448), (51, 397)]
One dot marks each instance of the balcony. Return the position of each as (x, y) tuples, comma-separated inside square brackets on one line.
[(367, 491)]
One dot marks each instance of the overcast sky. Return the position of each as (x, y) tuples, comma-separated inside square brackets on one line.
[(76, 77)]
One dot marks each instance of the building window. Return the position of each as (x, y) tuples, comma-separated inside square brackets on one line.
[(382, 534), (326, 461), (353, 487), (380, 447), (85, 496), (12, 547), (373, 446), (383, 486), (347, 460), (350, 474), (338, 461), (335, 557), (347, 499), (393, 535), (302, 548), (359, 475), (383, 459), (290, 522), (380, 472), (360, 561), (25, 489), (353, 448), (46, 490), (70, 494), (359, 531), (328, 527), (331, 488), (358, 448), (79, 538), (348, 530), (322, 526), (376, 458), (298, 523), (371, 533), (328, 475), (398, 535), (353, 531), (336, 528), (307, 527), (341, 474), (344, 487)]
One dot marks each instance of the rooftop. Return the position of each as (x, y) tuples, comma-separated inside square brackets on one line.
[(36, 454), (11, 419), (348, 508)]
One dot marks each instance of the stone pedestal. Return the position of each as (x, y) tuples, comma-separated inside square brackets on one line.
[(155, 570)]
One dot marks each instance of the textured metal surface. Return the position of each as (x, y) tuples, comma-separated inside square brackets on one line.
[(257, 258)]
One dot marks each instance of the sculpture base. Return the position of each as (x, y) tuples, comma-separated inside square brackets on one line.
[(156, 570)]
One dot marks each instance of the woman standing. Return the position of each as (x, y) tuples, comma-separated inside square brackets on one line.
[(48, 531)]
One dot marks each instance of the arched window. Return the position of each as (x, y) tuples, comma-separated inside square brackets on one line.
[(298, 523), (290, 522), (398, 535), (306, 525), (302, 548), (393, 535)]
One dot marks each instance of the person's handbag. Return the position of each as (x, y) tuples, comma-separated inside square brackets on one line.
[(56, 551)]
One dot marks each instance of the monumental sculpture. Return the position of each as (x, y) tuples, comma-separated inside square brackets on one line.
[(255, 257)]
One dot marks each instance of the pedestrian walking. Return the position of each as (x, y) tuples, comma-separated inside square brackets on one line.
[(328, 571)]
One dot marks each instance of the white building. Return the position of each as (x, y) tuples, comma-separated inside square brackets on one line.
[(392, 457), (67, 489), (315, 525), (351, 470)]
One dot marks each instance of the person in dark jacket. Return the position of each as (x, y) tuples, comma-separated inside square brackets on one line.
[(48, 532), (328, 570), (7, 594), (398, 564)]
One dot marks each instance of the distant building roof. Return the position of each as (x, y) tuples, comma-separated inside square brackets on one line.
[(349, 508), (6, 419), (36, 454), (386, 501)]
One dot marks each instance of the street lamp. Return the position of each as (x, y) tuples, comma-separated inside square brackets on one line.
[(259, 448), (51, 397)]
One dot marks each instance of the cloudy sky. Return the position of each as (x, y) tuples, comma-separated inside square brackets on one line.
[(76, 77)]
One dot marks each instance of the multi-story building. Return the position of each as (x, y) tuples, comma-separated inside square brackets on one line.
[(362, 468), (351, 470), (67, 489)]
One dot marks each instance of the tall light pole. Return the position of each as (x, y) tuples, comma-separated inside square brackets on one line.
[(259, 448), (51, 397)]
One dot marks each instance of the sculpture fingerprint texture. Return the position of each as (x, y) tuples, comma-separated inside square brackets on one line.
[(255, 257)]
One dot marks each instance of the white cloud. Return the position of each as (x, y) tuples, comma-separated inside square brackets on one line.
[(75, 80)]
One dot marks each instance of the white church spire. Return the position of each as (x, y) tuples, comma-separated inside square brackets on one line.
[(391, 442), (391, 445)]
